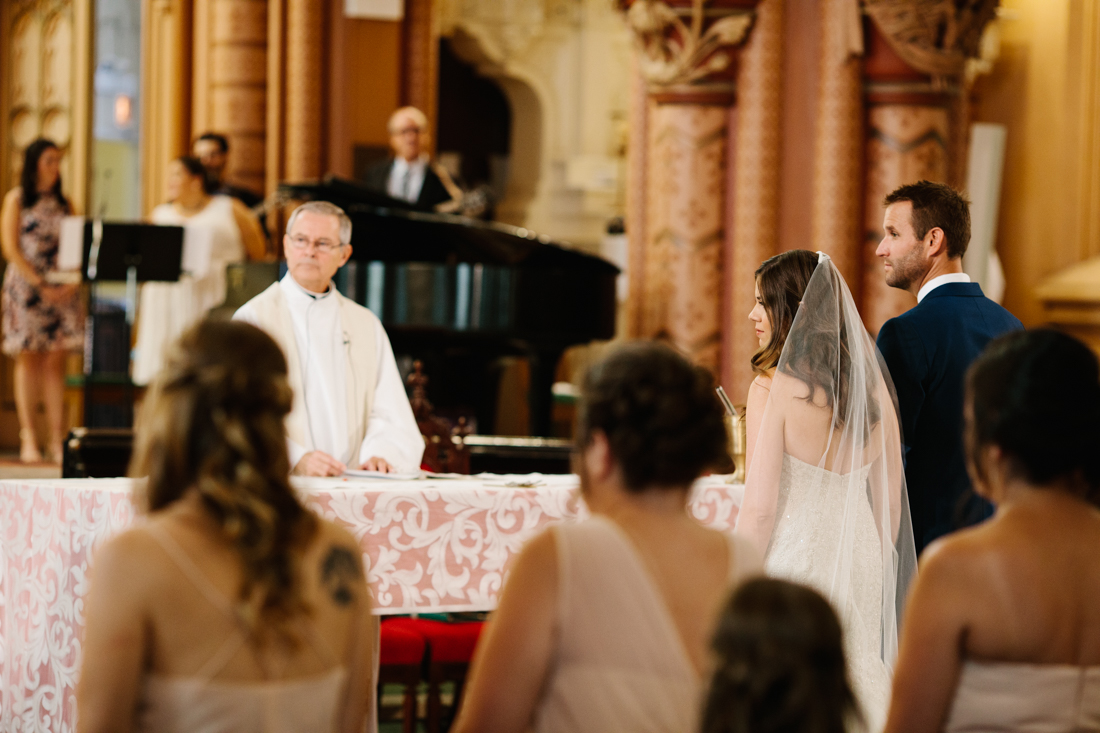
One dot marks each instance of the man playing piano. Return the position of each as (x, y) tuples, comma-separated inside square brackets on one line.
[(410, 175), (350, 407)]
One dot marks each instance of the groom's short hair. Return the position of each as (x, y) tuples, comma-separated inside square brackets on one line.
[(937, 205)]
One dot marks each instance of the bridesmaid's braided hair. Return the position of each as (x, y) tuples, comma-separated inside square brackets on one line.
[(780, 664), (213, 422)]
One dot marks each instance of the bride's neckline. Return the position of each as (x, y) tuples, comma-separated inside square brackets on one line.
[(822, 468)]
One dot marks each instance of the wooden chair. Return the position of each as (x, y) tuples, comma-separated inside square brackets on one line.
[(445, 449), (450, 649)]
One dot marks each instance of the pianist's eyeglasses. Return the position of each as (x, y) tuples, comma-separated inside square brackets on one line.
[(302, 242)]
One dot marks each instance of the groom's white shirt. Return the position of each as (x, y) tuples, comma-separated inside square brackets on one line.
[(954, 277)]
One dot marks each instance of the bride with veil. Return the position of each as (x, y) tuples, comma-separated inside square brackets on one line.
[(825, 498)]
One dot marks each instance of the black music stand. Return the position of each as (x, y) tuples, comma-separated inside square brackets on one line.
[(119, 252)]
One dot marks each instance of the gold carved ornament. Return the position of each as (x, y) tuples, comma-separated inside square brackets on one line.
[(936, 37), (673, 53)]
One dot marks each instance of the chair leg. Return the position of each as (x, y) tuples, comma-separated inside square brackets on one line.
[(435, 704), (411, 684)]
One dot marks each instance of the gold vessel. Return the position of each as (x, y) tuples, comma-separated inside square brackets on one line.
[(735, 429)]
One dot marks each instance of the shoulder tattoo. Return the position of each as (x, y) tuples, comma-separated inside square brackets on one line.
[(339, 572)]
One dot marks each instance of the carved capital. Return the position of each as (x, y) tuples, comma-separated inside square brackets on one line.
[(686, 48), (934, 37)]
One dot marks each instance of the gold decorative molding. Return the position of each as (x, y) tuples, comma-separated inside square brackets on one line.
[(673, 54), (933, 36)]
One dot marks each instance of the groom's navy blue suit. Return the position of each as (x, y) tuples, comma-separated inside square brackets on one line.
[(928, 350)]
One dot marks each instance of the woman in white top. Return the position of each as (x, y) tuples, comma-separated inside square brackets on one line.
[(604, 624), (231, 607), (232, 233), (1002, 631)]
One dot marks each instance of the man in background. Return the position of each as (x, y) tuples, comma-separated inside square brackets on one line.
[(212, 150), (410, 175)]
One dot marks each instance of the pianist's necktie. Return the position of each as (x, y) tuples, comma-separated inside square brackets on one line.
[(405, 185)]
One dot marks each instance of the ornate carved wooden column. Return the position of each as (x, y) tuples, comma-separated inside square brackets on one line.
[(230, 81), (686, 56), (420, 59), (165, 92), (755, 217), (838, 142), (913, 77), (295, 91)]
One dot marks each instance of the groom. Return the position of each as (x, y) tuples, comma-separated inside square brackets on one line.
[(929, 348)]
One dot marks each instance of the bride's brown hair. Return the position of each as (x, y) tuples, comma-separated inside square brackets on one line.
[(213, 422), (782, 281)]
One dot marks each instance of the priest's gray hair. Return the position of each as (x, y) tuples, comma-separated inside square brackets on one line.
[(324, 208)]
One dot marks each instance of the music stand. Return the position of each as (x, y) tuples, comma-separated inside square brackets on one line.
[(127, 252)]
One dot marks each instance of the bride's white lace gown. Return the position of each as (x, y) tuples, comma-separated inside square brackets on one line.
[(825, 498), (817, 513)]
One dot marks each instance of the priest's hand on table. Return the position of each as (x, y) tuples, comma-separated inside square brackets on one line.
[(374, 463), (318, 463)]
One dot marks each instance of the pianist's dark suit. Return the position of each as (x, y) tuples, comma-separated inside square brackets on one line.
[(928, 350), (432, 193)]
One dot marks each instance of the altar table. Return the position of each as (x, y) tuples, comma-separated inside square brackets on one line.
[(428, 546)]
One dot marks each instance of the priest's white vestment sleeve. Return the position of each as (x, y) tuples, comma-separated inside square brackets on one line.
[(349, 400)]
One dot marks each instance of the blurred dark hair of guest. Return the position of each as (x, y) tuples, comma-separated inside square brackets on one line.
[(780, 664), (1035, 395), (663, 421)]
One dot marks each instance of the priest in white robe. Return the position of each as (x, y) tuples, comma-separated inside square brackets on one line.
[(350, 408)]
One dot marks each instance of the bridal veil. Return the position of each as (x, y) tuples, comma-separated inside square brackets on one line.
[(832, 415)]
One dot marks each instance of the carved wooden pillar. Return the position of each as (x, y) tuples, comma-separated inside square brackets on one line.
[(296, 118), (686, 56), (165, 92), (755, 216), (914, 74), (685, 226), (838, 143), (420, 60), (230, 81), (304, 89)]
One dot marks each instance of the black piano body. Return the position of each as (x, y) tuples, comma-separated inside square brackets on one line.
[(459, 294)]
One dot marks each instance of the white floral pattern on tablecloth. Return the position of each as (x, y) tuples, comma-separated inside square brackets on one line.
[(441, 545)]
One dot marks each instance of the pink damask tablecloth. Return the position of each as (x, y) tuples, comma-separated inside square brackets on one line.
[(438, 545)]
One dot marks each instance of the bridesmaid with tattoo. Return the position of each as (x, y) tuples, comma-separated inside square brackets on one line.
[(231, 607)]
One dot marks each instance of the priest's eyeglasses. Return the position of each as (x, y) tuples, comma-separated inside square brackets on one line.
[(324, 246)]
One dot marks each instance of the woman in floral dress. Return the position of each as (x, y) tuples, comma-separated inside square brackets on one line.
[(41, 320)]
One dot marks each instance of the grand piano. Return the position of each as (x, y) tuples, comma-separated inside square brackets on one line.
[(459, 294)]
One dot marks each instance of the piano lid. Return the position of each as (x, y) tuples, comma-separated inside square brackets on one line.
[(390, 230)]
